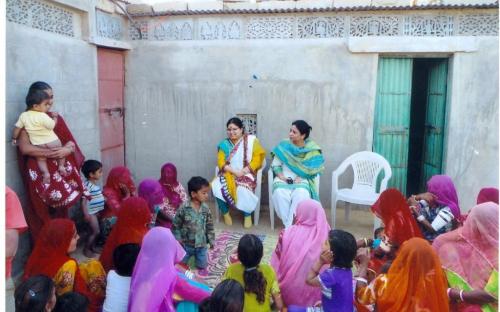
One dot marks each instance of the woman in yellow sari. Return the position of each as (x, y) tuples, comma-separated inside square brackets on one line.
[(239, 157), (50, 257)]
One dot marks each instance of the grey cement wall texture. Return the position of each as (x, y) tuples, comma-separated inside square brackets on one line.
[(180, 95)]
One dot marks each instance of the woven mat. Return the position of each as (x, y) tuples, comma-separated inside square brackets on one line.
[(225, 253)]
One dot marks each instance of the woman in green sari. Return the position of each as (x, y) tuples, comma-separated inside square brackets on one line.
[(296, 163), (469, 256)]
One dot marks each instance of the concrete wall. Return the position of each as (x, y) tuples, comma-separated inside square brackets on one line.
[(179, 96), (184, 92)]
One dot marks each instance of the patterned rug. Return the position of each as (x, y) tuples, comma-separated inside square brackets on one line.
[(225, 253)]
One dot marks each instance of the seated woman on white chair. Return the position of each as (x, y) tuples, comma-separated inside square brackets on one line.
[(296, 163)]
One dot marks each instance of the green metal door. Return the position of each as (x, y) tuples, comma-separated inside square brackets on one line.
[(392, 116), (435, 119)]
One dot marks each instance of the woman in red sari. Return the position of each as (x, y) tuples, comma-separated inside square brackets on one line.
[(133, 222), (54, 200), (50, 257), (119, 186)]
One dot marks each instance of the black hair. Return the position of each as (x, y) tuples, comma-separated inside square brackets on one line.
[(303, 127), (39, 85), (228, 296), (196, 183), (250, 251), (377, 232), (90, 166), (344, 248), (71, 302), (34, 294), (35, 97), (237, 122), (124, 257)]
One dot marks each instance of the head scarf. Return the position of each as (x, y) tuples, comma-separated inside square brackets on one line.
[(399, 224), (131, 226), (415, 281), (300, 248), (154, 274), (442, 186), (51, 248), (152, 192), (487, 194), (119, 175), (471, 251), (169, 183)]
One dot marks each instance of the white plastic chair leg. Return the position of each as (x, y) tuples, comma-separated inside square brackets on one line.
[(347, 211), (217, 211), (334, 210), (256, 213)]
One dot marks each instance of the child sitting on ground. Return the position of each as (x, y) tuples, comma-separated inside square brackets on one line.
[(36, 294), (336, 282), (40, 129), (72, 302), (258, 280), (193, 226), (118, 282), (228, 296), (92, 170)]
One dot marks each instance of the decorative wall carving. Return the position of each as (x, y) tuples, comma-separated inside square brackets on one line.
[(428, 25), (173, 30), (375, 25), (270, 28), (138, 31), (218, 30), (478, 25), (321, 27), (41, 15), (108, 26), (249, 122), (334, 25)]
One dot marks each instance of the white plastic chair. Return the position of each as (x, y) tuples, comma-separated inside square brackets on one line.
[(270, 179), (256, 213), (367, 167)]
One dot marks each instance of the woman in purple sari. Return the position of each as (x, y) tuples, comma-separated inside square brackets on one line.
[(152, 192), (156, 284)]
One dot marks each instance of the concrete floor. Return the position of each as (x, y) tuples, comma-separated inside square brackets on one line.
[(360, 225)]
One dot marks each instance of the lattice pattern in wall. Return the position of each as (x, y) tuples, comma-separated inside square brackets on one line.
[(138, 30), (41, 15), (335, 25), (249, 122), (109, 26)]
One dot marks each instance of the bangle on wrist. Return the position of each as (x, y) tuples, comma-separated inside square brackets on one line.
[(361, 279), (448, 292), (461, 295)]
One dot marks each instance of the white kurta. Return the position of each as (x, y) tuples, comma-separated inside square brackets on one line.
[(246, 200)]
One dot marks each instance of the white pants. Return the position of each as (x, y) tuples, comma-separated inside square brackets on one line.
[(285, 203)]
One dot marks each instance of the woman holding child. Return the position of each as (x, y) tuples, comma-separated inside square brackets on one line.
[(239, 157), (53, 200), (50, 257), (297, 161)]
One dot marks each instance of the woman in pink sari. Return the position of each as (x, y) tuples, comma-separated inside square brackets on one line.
[(469, 256), (298, 248), (155, 281), (487, 194)]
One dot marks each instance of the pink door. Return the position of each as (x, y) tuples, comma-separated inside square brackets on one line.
[(111, 79)]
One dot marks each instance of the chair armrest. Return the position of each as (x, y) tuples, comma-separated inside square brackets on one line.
[(337, 173)]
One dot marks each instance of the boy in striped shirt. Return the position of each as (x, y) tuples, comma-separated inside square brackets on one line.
[(92, 170)]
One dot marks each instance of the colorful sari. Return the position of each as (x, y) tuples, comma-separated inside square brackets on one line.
[(399, 223), (175, 194), (238, 192), (415, 281), (307, 162), (487, 194), (132, 224), (52, 201), (50, 258), (298, 248), (152, 191), (155, 281), (442, 186), (469, 254)]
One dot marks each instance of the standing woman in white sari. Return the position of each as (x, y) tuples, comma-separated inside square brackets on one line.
[(239, 157)]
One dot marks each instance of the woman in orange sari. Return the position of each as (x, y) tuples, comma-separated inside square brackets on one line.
[(415, 281), (50, 257), (133, 223)]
